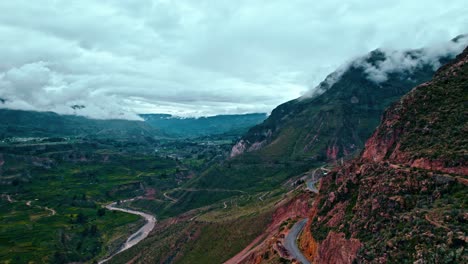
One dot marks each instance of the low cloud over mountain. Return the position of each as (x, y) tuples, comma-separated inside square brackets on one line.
[(198, 58)]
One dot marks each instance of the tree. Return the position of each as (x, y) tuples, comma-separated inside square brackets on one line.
[(101, 212), (93, 230), (81, 218), (15, 182)]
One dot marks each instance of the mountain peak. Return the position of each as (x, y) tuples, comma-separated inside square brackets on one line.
[(347, 105)]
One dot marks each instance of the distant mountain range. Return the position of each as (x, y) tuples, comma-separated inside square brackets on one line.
[(203, 126), (19, 123)]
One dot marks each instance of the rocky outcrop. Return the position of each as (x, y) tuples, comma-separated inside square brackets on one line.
[(264, 247), (247, 146), (243, 146), (336, 249), (332, 152), (308, 244), (239, 148), (402, 199), (423, 130), (438, 165)]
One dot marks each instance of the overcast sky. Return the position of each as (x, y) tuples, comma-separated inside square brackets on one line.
[(197, 57)]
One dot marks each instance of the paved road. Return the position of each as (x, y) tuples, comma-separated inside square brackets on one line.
[(311, 186), (290, 242), (52, 211), (139, 235), (9, 198), (314, 179)]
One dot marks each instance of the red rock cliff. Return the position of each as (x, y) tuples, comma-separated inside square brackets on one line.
[(401, 199)]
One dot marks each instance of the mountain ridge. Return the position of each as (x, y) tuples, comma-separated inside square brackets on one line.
[(190, 127), (401, 200), (22, 123), (336, 121)]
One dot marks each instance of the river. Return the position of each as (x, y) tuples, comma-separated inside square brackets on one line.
[(139, 235)]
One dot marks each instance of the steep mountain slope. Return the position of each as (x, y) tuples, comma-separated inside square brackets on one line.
[(337, 122), (17, 123), (308, 132), (404, 199), (204, 126)]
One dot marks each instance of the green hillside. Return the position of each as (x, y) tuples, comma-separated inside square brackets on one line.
[(17, 123), (336, 123), (189, 127), (310, 132), (404, 200)]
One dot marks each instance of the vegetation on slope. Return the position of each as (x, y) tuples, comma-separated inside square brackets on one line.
[(209, 235), (309, 132), (392, 208), (17, 123), (52, 196), (337, 122), (189, 127)]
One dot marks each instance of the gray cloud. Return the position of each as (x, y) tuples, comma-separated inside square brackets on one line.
[(394, 61), (119, 58)]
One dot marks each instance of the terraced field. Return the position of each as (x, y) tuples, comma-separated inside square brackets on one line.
[(52, 198)]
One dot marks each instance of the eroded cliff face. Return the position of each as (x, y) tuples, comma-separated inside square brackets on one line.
[(337, 249), (307, 242), (334, 246), (239, 148), (245, 146), (403, 199)]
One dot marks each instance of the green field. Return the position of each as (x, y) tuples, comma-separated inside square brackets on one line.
[(33, 234), (209, 235), (52, 198)]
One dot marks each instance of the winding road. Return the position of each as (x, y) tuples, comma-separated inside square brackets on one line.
[(311, 186), (311, 183), (139, 235), (28, 203), (290, 241), (173, 200)]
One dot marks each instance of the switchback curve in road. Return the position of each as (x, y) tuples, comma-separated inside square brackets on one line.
[(290, 242)]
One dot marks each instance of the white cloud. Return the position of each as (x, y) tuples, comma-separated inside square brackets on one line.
[(35, 86), (401, 61), (197, 57)]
